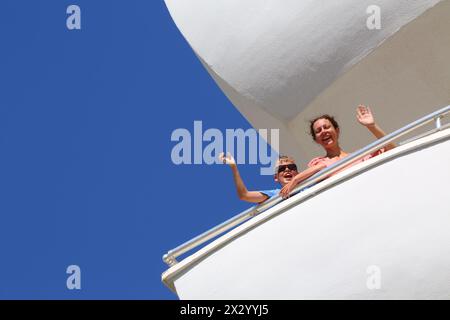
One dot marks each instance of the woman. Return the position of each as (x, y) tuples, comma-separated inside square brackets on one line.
[(325, 131)]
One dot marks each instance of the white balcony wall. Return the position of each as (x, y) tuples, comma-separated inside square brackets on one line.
[(394, 216)]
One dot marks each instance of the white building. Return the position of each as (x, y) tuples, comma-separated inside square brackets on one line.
[(282, 63)]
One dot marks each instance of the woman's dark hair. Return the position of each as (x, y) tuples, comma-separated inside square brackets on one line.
[(324, 116)]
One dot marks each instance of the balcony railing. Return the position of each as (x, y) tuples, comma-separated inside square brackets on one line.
[(170, 257)]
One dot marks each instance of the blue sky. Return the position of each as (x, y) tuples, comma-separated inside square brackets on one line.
[(86, 176)]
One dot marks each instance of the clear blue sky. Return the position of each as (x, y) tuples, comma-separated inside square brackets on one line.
[(86, 176)]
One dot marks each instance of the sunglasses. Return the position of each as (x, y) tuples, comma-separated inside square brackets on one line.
[(292, 167)]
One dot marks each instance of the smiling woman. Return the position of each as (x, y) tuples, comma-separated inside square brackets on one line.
[(325, 132)]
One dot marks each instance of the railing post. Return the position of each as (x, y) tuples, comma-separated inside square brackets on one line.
[(437, 122), (169, 260)]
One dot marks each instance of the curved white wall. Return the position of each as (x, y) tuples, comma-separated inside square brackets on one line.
[(281, 63), (394, 216), (283, 54)]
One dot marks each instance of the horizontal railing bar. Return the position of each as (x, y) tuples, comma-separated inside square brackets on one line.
[(427, 133), (208, 235)]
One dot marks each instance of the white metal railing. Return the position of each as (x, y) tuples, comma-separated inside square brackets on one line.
[(171, 255)]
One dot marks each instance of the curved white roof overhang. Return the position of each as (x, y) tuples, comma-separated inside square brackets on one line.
[(281, 63)]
